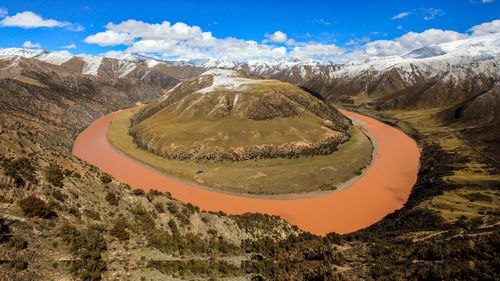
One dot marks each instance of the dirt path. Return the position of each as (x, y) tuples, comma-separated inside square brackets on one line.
[(383, 188)]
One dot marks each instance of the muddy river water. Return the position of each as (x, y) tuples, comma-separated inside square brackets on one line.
[(382, 189)]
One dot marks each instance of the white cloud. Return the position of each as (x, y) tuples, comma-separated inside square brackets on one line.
[(70, 46), (401, 15), (317, 51), (487, 1), (178, 31), (429, 37), (3, 12), (384, 48), (432, 13), (411, 41), (321, 21), (181, 41), (357, 41), (113, 54), (75, 27), (29, 44), (277, 37), (29, 20), (109, 38), (486, 28)]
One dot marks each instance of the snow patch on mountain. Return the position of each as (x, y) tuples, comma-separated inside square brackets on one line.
[(57, 58), (425, 52), (123, 68), (9, 53), (225, 79), (141, 59), (91, 65)]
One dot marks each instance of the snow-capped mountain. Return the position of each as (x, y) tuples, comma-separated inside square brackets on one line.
[(457, 72), (428, 61), (461, 79), (451, 70), (121, 66), (455, 58)]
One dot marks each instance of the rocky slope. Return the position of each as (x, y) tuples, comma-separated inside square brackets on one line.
[(51, 96), (222, 115), (62, 219), (155, 72)]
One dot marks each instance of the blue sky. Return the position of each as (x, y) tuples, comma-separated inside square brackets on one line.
[(317, 29)]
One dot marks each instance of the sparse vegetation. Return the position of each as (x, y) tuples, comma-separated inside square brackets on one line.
[(55, 175), (138, 192), (105, 178), (33, 206), (21, 170), (18, 264), (18, 243), (112, 198), (5, 233), (87, 246), (143, 218), (200, 268), (190, 244), (58, 195), (119, 230)]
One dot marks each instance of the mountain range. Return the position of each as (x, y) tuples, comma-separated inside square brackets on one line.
[(459, 80)]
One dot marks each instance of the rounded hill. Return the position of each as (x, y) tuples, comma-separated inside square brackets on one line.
[(223, 115)]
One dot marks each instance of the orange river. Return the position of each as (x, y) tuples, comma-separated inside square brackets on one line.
[(382, 189)]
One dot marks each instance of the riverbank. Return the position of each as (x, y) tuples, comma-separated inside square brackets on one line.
[(278, 178), (384, 187)]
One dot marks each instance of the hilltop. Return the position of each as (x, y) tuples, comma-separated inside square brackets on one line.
[(222, 127), (222, 115)]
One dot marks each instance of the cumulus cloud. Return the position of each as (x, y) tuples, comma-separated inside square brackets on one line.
[(110, 38), (277, 37), (317, 51), (113, 54), (126, 33), (401, 15), (411, 41), (180, 40), (29, 44), (485, 28), (29, 20)]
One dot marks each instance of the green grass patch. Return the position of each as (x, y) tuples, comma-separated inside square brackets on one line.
[(467, 202)]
